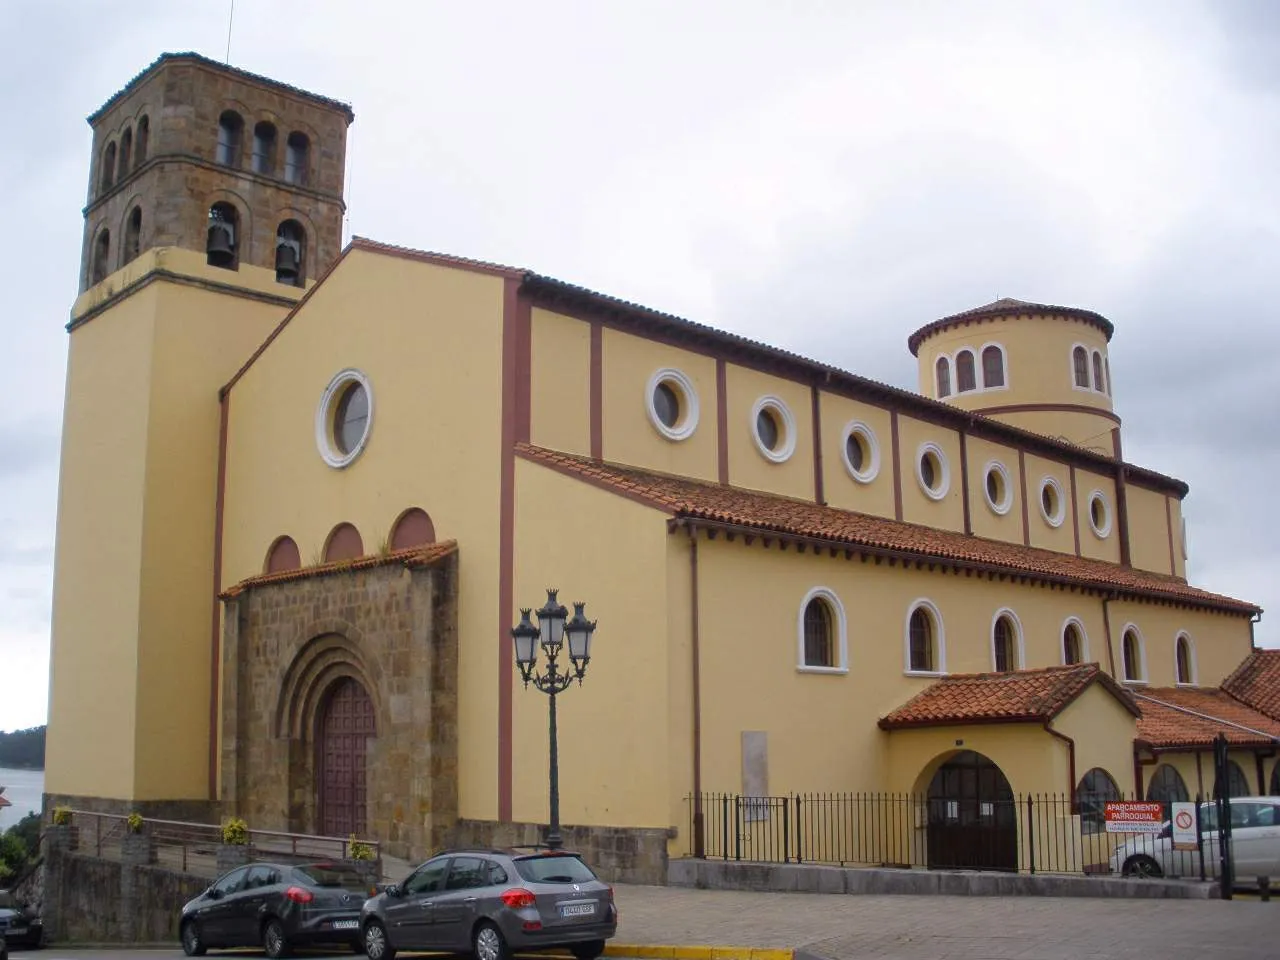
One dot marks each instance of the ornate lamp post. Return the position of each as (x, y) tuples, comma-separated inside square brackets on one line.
[(550, 635)]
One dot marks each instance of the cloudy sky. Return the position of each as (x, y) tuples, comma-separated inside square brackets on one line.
[(822, 175)]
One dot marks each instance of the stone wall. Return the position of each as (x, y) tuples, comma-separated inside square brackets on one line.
[(185, 811), (391, 628), (616, 854)]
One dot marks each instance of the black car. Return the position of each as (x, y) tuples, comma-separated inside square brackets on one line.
[(4, 947), (276, 906), (22, 926)]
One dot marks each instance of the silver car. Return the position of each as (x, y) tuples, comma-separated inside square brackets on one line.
[(490, 902), (1255, 845)]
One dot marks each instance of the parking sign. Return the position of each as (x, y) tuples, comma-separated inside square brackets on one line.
[(1184, 825)]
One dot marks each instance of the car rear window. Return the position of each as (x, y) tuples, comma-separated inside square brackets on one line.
[(330, 875), (554, 868)]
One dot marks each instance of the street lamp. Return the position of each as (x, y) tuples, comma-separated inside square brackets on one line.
[(550, 635)]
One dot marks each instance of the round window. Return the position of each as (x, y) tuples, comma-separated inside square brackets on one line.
[(997, 488), (1099, 514), (1052, 506), (773, 428), (672, 404), (861, 452), (932, 471), (344, 418)]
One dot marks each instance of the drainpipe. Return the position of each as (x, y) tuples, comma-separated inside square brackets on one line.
[(1106, 627), (1071, 759), (1254, 621), (699, 848)]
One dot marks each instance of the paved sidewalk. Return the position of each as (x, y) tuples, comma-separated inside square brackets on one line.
[(845, 927)]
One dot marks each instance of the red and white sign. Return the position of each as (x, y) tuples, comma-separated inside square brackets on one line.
[(1134, 816), (1184, 825)]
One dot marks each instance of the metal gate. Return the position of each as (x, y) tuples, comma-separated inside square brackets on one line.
[(345, 726)]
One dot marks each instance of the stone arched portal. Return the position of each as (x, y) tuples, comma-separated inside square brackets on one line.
[(973, 819), (345, 725)]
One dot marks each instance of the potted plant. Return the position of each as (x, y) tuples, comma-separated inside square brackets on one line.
[(361, 856), (63, 832), (234, 849), (138, 846)]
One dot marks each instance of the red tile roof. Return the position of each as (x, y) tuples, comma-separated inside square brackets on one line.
[(1032, 696), (410, 557), (1174, 717), (1256, 682), (1005, 307), (749, 510)]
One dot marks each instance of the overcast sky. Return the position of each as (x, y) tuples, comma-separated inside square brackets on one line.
[(824, 175)]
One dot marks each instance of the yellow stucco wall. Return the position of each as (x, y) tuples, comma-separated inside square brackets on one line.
[(560, 383), (1092, 544), (1031, 760), (748, 467), (840, 488), (1149, 530), (1219, 642), (434, 443), (948, 512), (613, 771), (986, 521), (1043, 533), (1103, 731), (1199, 777), (628, 436), (1180, 546)]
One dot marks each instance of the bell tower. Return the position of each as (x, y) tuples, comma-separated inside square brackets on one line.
[(215, 199)]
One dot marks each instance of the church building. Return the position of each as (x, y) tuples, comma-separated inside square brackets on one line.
[(307, 489)]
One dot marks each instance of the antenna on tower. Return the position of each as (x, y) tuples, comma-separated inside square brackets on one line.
[(230, 20)]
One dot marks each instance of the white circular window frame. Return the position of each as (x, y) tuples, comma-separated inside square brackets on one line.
[(787, 425), (871, 462), (1053, 520), (325, 413), (1103, 531), (944, 481), (1006, 502), (689, 407)]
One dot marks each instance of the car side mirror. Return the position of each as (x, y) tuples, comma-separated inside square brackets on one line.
[(213, 893), (393, 890)]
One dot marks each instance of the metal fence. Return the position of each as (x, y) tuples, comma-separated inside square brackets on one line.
[(1037, 833)]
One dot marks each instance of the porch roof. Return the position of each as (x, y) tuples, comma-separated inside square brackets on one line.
[(423, 556), (1026, 696), (1256, 682), (1187, 718)]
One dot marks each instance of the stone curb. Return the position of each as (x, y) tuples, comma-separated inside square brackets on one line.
[(638, 951)]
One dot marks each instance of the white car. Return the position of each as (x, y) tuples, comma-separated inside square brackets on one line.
[(1255, 845)]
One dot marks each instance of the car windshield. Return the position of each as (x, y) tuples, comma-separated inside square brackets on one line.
[(330, 875), (554, 868)]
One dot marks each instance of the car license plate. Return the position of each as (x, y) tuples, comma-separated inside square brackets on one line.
[(345, 924), (17, 930), (577, 909)]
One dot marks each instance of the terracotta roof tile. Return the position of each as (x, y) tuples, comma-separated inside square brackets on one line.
[(410, 557), (1007, 306), (1023, 695), (1193, 716), (687, 498), (1256, 682)]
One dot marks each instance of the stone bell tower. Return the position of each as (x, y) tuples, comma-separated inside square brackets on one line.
[(215, 199)]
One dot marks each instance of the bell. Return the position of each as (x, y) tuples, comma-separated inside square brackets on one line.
[(221, 251), (286, 263)]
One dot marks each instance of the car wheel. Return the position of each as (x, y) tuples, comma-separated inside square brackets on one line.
[(192, 945), (488, 943), (274, 941), (376, 944), (1141, 867), (589, 950)]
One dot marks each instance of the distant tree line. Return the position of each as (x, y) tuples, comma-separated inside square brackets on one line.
[(23, 749)]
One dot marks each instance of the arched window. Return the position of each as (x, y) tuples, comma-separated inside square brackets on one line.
[(126, 152), (223, 243), (101, 253), (1097, 373), (1004, 642), (132, 236), (1080, 364), (966, 376), (1072, 643), (1106, 374), (992, 366), (1275, 780), (290, 253), (1237, 782), (144, 138), (412, 529), (1134, 667), (297, 152), (1185, 658), (1167, 785), (230, 132), (1096, 787), (264, 147), (942, 374), (344, 543), (823, 641), (108, 172), (283, 555), (817, 634), (924, 639)]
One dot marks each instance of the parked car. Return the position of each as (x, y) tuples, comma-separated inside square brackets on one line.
[(1255, 845), (21, 925), (491, 902), (276, 906), (4, 947)]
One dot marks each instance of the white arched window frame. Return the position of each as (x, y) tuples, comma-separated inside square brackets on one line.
[(942, 377), (1087, 386), (839, 628), (1097, 374), (982, 366), (1019, 645), (939, 639), (1141, 678), (1194, 679), (955, 371), (1081, 632)]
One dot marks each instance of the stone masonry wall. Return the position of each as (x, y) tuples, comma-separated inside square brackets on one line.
[(392, 629)]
